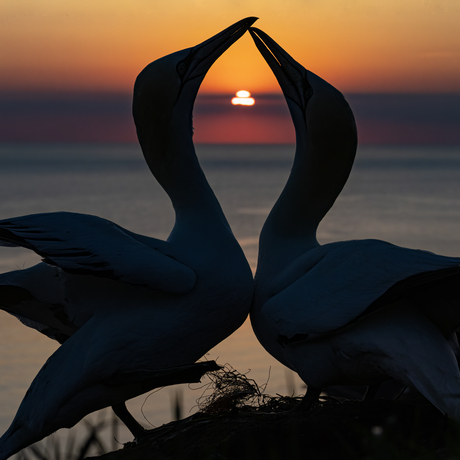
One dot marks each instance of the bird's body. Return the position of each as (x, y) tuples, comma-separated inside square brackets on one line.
[(354, 312), (132, 312), (116, 329)]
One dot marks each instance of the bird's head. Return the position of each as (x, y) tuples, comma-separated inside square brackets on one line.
[(165, 90), (319, 111)]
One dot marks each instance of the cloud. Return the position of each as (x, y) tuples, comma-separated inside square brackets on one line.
[(66, 117), (407, 118), (106, 117)]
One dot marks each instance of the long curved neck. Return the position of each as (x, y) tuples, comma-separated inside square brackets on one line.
[(318, 175), (171, 157)]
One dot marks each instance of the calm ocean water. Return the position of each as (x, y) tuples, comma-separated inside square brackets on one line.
[(409, 196)]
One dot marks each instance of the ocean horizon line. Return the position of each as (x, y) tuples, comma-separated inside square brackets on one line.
[(382, 118)]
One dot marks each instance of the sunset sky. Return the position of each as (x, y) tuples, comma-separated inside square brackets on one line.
[(56, 49)]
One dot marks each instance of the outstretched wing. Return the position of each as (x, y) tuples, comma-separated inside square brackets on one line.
[(89, 245), (332, 285), (51, 319)]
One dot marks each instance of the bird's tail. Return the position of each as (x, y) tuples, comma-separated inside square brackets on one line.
[(439, 383), (425, 359)]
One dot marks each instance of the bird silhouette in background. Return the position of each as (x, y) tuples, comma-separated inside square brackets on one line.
[(350, 312), (132, 312)]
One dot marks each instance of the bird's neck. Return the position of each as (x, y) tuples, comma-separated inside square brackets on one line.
[(172, 159), (317, 177)]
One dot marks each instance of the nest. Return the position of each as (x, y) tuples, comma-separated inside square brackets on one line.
[(234, 392)]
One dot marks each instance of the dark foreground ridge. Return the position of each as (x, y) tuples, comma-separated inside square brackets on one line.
[(239, 422), (351, 430)]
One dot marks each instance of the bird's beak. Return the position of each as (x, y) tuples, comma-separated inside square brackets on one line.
[(203, 56), (291, 76)]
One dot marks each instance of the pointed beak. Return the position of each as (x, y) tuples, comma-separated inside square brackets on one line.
[(291, 76), (203, 56)]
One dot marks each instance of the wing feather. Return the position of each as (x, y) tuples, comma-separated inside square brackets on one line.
[(344, 280), (89, 245)]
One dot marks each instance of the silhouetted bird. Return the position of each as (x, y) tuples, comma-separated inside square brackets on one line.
[(133, 312), (351, 312)]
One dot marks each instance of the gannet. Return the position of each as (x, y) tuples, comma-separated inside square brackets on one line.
[(132, 312), (349, 312)]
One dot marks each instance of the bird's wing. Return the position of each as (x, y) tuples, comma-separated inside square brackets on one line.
[(89, 245), (334, 284), (50, 319)]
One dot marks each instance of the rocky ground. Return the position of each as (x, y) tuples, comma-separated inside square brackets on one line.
[(239, 422)]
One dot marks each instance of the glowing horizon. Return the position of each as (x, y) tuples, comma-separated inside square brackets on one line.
[(57, 54), (360, 47), (91, 117)]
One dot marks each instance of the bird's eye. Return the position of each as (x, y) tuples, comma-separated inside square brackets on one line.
[(308, 93), (181, 68)]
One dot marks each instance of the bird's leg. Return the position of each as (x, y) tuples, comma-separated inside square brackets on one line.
[(311, 396), (121, 411), (145, 380)]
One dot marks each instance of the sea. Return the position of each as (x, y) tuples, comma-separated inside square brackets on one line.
[(408, 195)]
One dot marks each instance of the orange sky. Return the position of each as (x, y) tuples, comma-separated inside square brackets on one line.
[(359, 46)]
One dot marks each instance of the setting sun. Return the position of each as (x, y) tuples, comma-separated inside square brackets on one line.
[(243, 98)]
